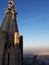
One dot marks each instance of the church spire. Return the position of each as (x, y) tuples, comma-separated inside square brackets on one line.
[(9, 24), (11, 47)]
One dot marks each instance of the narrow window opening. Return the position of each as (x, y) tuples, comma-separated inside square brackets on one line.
[(8, 59)]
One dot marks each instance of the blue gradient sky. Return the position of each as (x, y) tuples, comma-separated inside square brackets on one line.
[(33, 21)]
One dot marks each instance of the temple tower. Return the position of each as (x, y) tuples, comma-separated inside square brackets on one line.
[(11, 43)]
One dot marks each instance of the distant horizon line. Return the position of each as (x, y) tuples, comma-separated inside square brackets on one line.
[(36, 53), (36, 48)]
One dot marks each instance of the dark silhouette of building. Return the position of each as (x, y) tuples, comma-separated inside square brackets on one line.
[(35, 61), (11, 43)]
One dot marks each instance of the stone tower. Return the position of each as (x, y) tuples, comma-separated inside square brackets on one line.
[(11, 43)]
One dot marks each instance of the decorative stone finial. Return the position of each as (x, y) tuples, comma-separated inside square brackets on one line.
[(11, 5)]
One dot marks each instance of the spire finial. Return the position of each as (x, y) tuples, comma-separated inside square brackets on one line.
[(11, 4)]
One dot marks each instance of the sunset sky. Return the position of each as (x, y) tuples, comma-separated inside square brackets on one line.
[(33, 21)]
